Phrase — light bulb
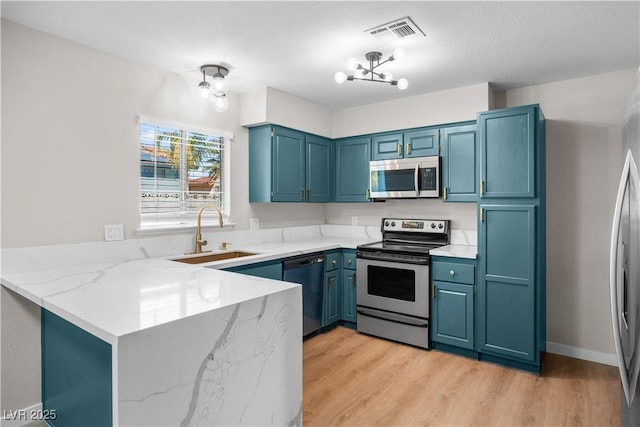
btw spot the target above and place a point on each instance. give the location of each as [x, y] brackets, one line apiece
[352, 64]
[219, 84]
[220, 103]
[387, 77]
[204, 90]
[403, 84]
[340, 77]
[398, 53]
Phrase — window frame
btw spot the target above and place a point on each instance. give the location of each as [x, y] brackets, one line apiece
[178, 220]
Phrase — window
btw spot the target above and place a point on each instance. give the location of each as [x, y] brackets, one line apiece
[181, 170]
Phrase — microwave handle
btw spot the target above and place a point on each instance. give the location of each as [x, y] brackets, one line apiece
[415, 179]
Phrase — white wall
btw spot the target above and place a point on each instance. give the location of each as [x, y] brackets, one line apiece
[584, 162]
[70, 138]
[454, 105]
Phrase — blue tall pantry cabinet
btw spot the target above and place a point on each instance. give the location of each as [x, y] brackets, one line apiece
[511, 320]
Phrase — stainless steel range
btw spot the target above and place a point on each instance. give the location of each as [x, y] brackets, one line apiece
[393, 279]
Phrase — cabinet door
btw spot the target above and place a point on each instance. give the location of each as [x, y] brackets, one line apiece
[507, 153]
[288, 166]
[506, 286]
[352, 169]
[419, 143]
[452, 314]
[459, 170]
[387, 146]
[331, 307]
[349, 295]
[319, 169]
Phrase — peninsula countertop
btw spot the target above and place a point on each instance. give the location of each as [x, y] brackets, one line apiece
[116, 298]
[135, 286]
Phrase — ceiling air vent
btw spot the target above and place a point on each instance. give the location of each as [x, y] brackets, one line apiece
[397, 29]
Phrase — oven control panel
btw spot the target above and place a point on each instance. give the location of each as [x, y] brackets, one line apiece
[415, 225]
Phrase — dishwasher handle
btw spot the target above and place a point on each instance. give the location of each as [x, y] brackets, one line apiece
[304, 261]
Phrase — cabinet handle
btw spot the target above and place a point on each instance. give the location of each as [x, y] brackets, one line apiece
[433, 291]
[481, 188]
[366, 194]
[408, 148]
[481, 214]
[349, 261]
[334, 262]
[354, 279]
[452, 273]
[328, 281]
[399, 149]
[445, 193]
[308, 194]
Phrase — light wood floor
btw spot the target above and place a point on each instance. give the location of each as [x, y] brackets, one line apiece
[352, 379]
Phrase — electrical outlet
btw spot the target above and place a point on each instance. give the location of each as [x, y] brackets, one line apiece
[354, 220]
[113, 232]
[254, 223]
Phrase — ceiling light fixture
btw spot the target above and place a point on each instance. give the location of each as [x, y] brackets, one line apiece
[361, 72]
[217, 94]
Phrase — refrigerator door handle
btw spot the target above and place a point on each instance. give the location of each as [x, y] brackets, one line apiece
[613, 277]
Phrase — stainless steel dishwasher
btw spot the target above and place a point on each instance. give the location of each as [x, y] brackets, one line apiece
[308, 270]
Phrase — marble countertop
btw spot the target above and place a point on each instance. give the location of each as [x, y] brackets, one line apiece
[112, 290]
[113, 299]
[456, 251]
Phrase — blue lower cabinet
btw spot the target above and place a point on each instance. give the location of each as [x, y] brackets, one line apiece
[349, 295]
[331, 306]
[267, 269]
[506, 287]
[453, 302]
[76, 375]
[452, 314]
[349, 286]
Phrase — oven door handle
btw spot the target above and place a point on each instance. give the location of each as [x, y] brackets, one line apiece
[394, 317]
[415, 179]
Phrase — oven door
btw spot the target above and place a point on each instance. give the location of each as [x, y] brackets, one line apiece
[393, 286]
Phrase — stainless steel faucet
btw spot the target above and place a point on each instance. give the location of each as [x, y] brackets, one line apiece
[199, 242]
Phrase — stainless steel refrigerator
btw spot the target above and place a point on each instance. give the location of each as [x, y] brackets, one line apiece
[625, 263]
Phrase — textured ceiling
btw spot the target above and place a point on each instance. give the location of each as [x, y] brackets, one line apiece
[296, 47]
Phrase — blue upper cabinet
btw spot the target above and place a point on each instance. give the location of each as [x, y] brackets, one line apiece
[352, 169]
[507, 152]
[421, 142]
[387, 146]
[319, 162]
[398, 145]
[287, 165]
[459, 164]
[288, 173]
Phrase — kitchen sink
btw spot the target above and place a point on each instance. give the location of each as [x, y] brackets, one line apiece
[214, 257]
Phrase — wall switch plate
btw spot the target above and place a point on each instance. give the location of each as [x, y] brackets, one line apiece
[113, 232]
[254, 224]
[354, 220]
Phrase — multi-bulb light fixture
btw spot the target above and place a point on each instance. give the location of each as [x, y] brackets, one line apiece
[217, 94]
[361, 72]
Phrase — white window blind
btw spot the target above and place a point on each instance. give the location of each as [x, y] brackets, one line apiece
[181, 170]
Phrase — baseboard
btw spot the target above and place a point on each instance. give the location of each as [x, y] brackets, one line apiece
[581, 353]
[20, 417]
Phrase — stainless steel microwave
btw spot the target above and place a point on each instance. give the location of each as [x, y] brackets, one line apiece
[405, 178]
